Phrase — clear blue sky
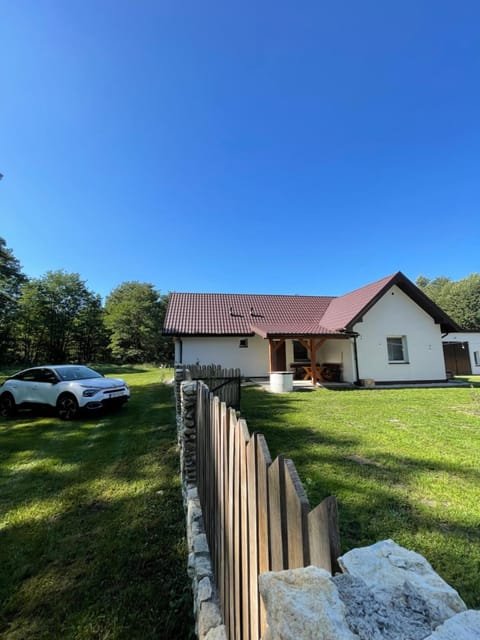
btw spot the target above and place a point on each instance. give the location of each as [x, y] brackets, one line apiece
[265, 147]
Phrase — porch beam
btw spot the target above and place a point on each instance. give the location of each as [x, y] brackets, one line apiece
[314, 347]
[273, 345]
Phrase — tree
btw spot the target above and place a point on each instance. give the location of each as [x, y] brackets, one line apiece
[59, 319]
[460, 299]
[11, 280]
[134, 314]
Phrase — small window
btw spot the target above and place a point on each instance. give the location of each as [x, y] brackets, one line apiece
[476, 357]
[243, 343]
[397, 349]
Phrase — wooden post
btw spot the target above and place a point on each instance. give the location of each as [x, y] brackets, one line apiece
[313, 356]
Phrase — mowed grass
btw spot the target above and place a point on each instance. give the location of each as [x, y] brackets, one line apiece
[92, 540]
[403, 463]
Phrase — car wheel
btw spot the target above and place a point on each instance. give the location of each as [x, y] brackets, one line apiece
[67, 407]
[8, 407]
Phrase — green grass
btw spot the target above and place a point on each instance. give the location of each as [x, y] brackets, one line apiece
[403, 463]
[92, 540]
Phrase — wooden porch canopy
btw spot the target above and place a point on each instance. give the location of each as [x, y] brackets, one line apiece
[312, 341]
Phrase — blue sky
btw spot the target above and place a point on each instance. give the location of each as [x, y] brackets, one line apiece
[262, 147]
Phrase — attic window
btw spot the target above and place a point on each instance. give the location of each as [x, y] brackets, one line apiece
[243, 343]
[397, 349]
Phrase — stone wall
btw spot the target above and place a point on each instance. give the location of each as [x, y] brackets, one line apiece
[208, 619]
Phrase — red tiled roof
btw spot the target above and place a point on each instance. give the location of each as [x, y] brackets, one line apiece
[215, 314]
[343, 310]
[236, 314]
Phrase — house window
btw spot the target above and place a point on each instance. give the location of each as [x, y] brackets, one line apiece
[299, 352]
[397, 349]
[243, 343]
[476, 357]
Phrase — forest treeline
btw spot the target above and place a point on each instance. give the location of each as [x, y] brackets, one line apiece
[460, 299]
[56, 318]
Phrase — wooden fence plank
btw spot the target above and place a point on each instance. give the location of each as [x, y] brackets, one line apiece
[231, 525]
[323, 535]
[264, 461]
[217, 471]
[296, 511]
[253, 538]
[223, 475]
[244, 438]
[276, 501]
[237, 533]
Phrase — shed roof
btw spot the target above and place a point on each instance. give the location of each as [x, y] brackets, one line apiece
[229, 314]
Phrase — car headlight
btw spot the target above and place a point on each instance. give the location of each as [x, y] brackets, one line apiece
[88, 393]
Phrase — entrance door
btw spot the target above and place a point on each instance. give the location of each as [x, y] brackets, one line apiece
[280, 358]
[457, 358]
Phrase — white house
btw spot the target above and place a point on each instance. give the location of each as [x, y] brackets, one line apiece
[388, 331]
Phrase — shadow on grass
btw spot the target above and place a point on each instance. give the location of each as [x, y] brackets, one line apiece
[92, 526]
[376, 497]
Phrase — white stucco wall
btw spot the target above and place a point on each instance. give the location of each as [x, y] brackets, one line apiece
[473, 340]
[340, 352]
[252, 361]
[255, 359]
[395, 314]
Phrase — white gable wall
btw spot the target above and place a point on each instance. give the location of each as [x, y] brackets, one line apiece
[252, 361]
[395, 314]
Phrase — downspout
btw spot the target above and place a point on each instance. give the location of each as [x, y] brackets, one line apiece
[180, 351]
[355, 356]
[354, 335]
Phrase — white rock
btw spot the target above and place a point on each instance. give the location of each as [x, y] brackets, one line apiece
[303, 604]
[390, 569]
[204, 589]
[203, 567]
[463, 626]
[208, 618]
[218, 633]
[200, 544]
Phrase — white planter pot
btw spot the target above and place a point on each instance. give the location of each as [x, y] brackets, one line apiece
[281, 381]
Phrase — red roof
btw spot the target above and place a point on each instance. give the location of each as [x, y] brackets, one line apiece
[236, 314]
[229, 314]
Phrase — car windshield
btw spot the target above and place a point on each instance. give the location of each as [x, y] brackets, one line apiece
[76, 373]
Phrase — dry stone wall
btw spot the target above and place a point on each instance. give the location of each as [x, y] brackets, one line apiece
[208, 618]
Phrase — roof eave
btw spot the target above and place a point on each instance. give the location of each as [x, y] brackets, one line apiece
[180, 334]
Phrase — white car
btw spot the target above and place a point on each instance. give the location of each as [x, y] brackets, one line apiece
[67, 387]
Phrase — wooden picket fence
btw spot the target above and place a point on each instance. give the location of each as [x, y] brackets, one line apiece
[225, 383]
[256, 514]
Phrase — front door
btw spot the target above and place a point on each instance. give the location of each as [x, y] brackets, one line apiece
[279, 358]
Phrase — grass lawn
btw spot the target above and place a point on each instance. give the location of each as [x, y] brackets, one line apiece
[403, 463]
[92, 540]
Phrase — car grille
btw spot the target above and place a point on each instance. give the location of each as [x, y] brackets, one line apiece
[114, 390]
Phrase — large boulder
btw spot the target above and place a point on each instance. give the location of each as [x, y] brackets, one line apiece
[389, 571]
[303, 604]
